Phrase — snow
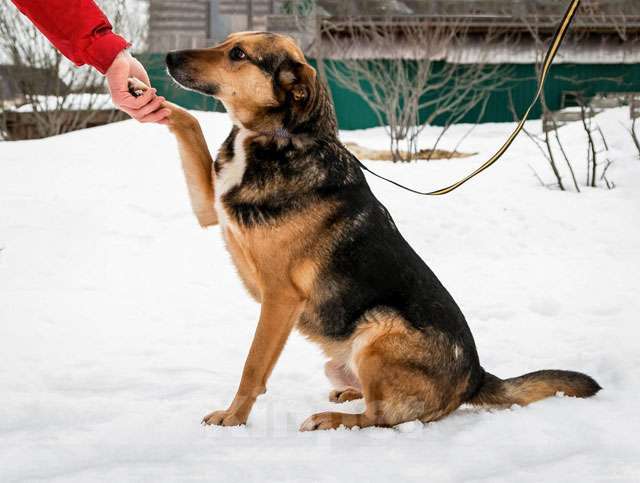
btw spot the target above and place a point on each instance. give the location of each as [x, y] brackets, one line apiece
[122, 323]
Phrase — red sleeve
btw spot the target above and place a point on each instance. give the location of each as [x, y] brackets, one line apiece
[77, 28]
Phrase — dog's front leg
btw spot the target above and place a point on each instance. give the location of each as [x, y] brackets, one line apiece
[196, 163]
[277, 318]
[194, 154]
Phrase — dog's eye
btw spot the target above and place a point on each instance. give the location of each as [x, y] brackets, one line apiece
[237, 54]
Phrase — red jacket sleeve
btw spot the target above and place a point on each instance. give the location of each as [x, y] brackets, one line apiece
[78, 29]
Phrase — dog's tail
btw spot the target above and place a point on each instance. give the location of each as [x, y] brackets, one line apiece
[523, 390]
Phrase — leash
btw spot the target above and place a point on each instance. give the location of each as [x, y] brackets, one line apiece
[551, 53]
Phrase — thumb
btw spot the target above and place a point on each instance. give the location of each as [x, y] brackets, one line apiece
[138, 70]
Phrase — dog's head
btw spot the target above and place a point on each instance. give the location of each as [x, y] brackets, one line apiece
[257, 75]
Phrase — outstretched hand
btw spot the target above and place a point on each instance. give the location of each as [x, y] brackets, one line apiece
[145, 108]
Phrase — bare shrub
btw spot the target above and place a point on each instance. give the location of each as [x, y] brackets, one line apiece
[396, 68]
[59, 96]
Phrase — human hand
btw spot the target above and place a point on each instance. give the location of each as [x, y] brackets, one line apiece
[145, 108]
[178, 117]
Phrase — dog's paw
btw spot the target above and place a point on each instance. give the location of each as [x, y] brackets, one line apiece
[344, 395]
[224, 418]
[320, 421]
[179, 118]
[330, 420]
[136, 86]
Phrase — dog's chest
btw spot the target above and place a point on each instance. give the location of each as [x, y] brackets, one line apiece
[231, 173]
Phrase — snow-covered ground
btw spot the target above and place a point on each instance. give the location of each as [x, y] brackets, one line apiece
[122, 323]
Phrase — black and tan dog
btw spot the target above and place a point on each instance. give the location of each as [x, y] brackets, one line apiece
[321, 254]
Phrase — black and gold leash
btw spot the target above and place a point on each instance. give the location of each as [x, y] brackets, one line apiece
[551, 53]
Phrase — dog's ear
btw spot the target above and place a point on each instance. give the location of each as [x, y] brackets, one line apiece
[297, 81]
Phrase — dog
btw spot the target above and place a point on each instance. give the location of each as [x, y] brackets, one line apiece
[321, 254]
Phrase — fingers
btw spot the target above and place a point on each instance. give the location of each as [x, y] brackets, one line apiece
[153, 112]
[156, 116]
[153, 106]
[124, 99]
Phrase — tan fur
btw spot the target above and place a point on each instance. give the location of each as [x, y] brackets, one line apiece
[196, 164]
[277, 271]
[277, 318]
[536, 391]
[245, 90]
[275, 258]
[244, 264]
[386, 355]
[532, 387]
[403, 373]
[344, 395]
[272, 264]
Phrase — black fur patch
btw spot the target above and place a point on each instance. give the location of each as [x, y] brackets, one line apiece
[268, 63]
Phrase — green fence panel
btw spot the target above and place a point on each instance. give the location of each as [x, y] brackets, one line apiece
[354, 113]
[516, 95]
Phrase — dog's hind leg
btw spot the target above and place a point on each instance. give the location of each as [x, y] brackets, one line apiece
[385, 406]
[345, 382]
[344, 395]
[402, 377]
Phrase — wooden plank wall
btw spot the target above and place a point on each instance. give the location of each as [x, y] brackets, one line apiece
[175, 24]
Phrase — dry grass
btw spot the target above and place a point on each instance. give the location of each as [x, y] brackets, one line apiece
[385, 155]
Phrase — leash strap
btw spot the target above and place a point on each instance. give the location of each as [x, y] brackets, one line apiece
[551, 53]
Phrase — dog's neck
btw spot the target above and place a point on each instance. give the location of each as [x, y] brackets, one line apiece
[318, 120]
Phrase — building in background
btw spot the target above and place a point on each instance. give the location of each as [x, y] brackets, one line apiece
[15, 80]
[600, 59]
[175, 24]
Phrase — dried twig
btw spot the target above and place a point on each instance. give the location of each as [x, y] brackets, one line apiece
[634, 135]
[564, 154]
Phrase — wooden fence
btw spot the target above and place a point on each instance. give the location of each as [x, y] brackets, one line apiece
[24, 125]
